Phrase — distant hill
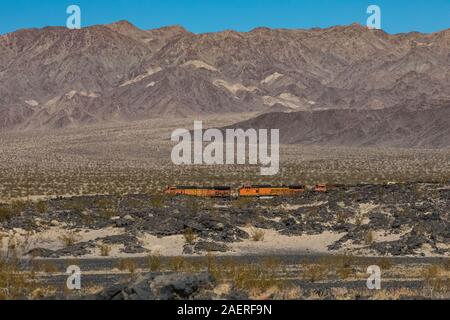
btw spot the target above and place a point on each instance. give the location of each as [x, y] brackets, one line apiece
[394, 127]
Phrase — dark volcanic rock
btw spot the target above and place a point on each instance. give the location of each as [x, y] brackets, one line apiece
[75, 250]
[161, 287]
[417, 218]
[209, 246]
[119, 239]
[133, 248]
[188, 249]
[42, 252]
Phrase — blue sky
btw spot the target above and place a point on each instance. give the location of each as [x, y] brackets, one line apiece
[242, 15]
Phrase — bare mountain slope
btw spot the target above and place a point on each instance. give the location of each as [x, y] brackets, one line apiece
[54, 77]
[399, 126]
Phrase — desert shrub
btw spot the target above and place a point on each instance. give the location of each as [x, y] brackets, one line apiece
[447, 264]
[157, 201]
[107, 213]
[14, 283]
[192, 205]
[253, 278]
[105, 203]
[315, 272]
[436, 281]
[105, 250]
[272, 264]
[42, 292]
[340, 217]
[18, 206]
[257, 234]
[127, 265]
[68, 239]
[87, 219]
[346, 261]
[242, 202]
[47, 267]
[210, 263]
[77, 205]
[369, 238]
[6, 213]
[177, 264]
[359, 220]
[41, 207]
[11, 210]
[154, 262]
[190, 236]
[344, 272]
[431, 272]
[384, 263]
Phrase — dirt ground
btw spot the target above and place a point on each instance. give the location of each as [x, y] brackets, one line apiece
[96, 193]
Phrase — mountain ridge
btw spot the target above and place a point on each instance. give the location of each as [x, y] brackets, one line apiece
[53, 77]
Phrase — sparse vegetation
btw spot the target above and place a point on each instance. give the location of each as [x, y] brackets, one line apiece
[154, 262]
[157, 201]
[41, 207]
[149, 169]
[68, 239]
[14, 283]
[177, 264]
[128, 265]
[384, 263]
[437, 281]
[7, 211]
[315, 272]
[47, 267]
[242, 202]
[119, 182]
[344, 272]
[105, 250]
[369, 238]
[190, 236]
[257, 234]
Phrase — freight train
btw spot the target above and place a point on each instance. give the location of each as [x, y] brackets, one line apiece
[269, 191]
[258, 191]
[208, 192]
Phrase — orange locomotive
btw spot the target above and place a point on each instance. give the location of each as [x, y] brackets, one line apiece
[207, 192]
[270, 191]
[245, 191]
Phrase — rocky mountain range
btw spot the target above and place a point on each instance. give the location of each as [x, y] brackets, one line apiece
[54, 77]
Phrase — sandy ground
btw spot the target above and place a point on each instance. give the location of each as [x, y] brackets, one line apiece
[274, 242]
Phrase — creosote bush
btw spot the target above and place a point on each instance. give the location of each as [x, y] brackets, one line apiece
[127, 264]
[68, 239]
[257, 234]
[154, 262]
[369, 238]
[41, 207]
[105, 250]
[189, 236]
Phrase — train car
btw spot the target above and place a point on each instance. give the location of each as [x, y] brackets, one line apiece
[321, 188]
[195, 191]
[270, 191]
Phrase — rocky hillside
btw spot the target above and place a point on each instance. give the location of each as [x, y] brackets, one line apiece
[399, 126]
[55, 77]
